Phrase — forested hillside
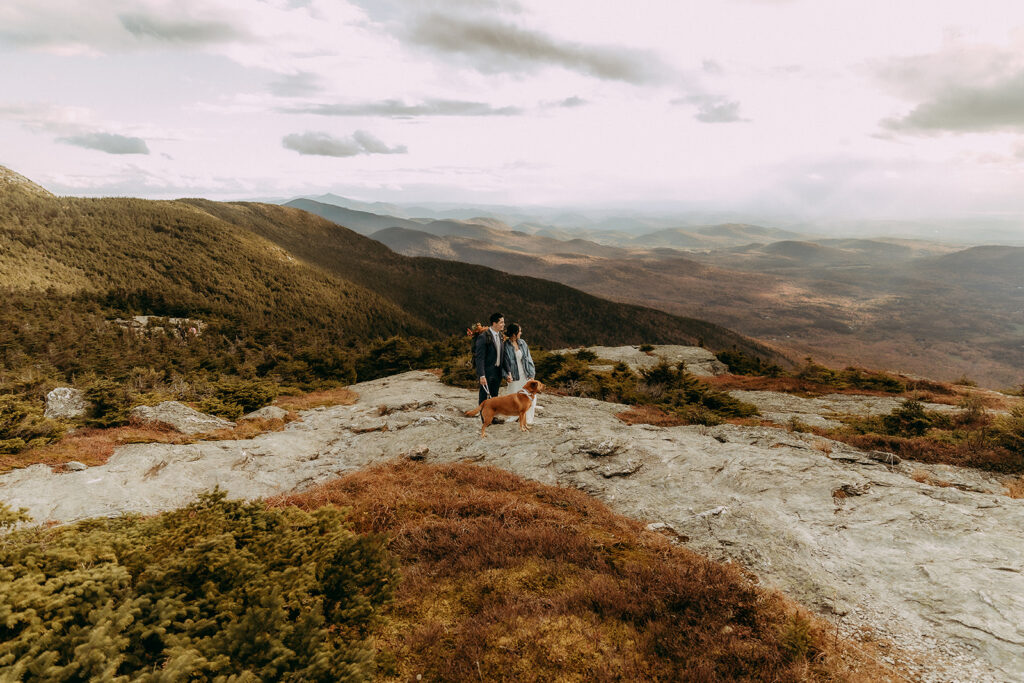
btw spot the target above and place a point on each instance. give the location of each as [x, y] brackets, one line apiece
[266, 294]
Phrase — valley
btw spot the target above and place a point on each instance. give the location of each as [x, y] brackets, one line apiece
[934, 309]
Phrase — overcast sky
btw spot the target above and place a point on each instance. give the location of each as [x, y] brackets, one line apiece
[814, 107]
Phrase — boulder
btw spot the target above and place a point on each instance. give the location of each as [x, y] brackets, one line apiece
[75, 466]
[266, 413]
[180, 417]
[65, 403]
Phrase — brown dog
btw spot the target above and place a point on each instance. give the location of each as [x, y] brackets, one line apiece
[509, 404]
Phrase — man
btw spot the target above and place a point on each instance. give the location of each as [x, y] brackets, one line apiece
[487, 355]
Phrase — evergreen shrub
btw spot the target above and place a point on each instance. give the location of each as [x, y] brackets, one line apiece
[218, 590]
[22, 425]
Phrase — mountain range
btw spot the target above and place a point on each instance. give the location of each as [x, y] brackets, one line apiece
[918, 306]
[267, 267]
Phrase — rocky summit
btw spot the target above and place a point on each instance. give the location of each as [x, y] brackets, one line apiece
[938, 570]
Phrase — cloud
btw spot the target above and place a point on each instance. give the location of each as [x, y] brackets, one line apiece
[960, 88]
[398, 108]
[713, 108]
[492, 45]
[194, 32]
[68, 27]
[998, 106]
[572, 102]
[710, 66]
[111, 143]
[324, 144]
[301, 84]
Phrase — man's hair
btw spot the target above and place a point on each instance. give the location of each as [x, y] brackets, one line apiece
[495, 317]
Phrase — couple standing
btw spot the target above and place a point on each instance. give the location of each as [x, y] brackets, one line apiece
[496, 357]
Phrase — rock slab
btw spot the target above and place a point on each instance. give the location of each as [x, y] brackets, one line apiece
[267, 413]
[697, 361]
[180, 417]
[936, 570]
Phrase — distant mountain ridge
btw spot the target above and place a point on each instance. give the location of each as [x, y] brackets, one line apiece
[907, 305]
[265, 266]
[609, 232]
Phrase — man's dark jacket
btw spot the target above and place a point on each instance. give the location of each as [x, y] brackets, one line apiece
[485, 355]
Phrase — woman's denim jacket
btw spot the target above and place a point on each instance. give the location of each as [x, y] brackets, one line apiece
[510, 354]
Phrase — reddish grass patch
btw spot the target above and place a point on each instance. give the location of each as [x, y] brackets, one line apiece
[340, 396]
[247, 429]
[1015, 489]
[95, 446]
[926, 477]
[786, 385]
[505, 579]
[923, 449]
[90, 446]
[651, 415]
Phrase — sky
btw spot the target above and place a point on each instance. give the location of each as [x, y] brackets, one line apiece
[816, 108]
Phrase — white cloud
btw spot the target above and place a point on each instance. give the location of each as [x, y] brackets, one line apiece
[963, 87]
[400, 108]
[111, 143]
[324, 144]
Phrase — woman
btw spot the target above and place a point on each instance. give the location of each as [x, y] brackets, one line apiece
[520, 364]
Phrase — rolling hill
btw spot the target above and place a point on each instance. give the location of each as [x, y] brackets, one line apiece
[904, 305]
[282, 288]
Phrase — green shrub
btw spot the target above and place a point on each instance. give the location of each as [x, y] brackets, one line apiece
[212, 405]
[796, 639]
[1009, 430]
[909, 419]
[220, 590]
[247, 394]
[740, 363]
[547, 364]
[109, 403]
[674, 389]
[22, 425]
[460, 372]
[585, 355]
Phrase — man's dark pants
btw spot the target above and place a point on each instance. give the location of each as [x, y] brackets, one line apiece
[493, 384]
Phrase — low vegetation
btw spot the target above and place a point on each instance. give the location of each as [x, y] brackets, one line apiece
[244, 302]
[504, 579]
[972, 437]
[218, 590]
[751, 373]
[405, 571]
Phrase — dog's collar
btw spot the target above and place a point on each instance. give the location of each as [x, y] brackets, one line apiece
[524, 391]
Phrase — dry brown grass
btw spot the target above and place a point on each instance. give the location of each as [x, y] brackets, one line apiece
[90, 446]
[504, 579]
[247, 429]
[95, 446]
[922, 390]
[968, 453]
[926, 477]
[340, 396]
[787, 385]
[650, 415]
[1015, 489]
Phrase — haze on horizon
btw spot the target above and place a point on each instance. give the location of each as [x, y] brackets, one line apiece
[775, 108]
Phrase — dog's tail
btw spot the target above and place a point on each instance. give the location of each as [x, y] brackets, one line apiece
[471, 413]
